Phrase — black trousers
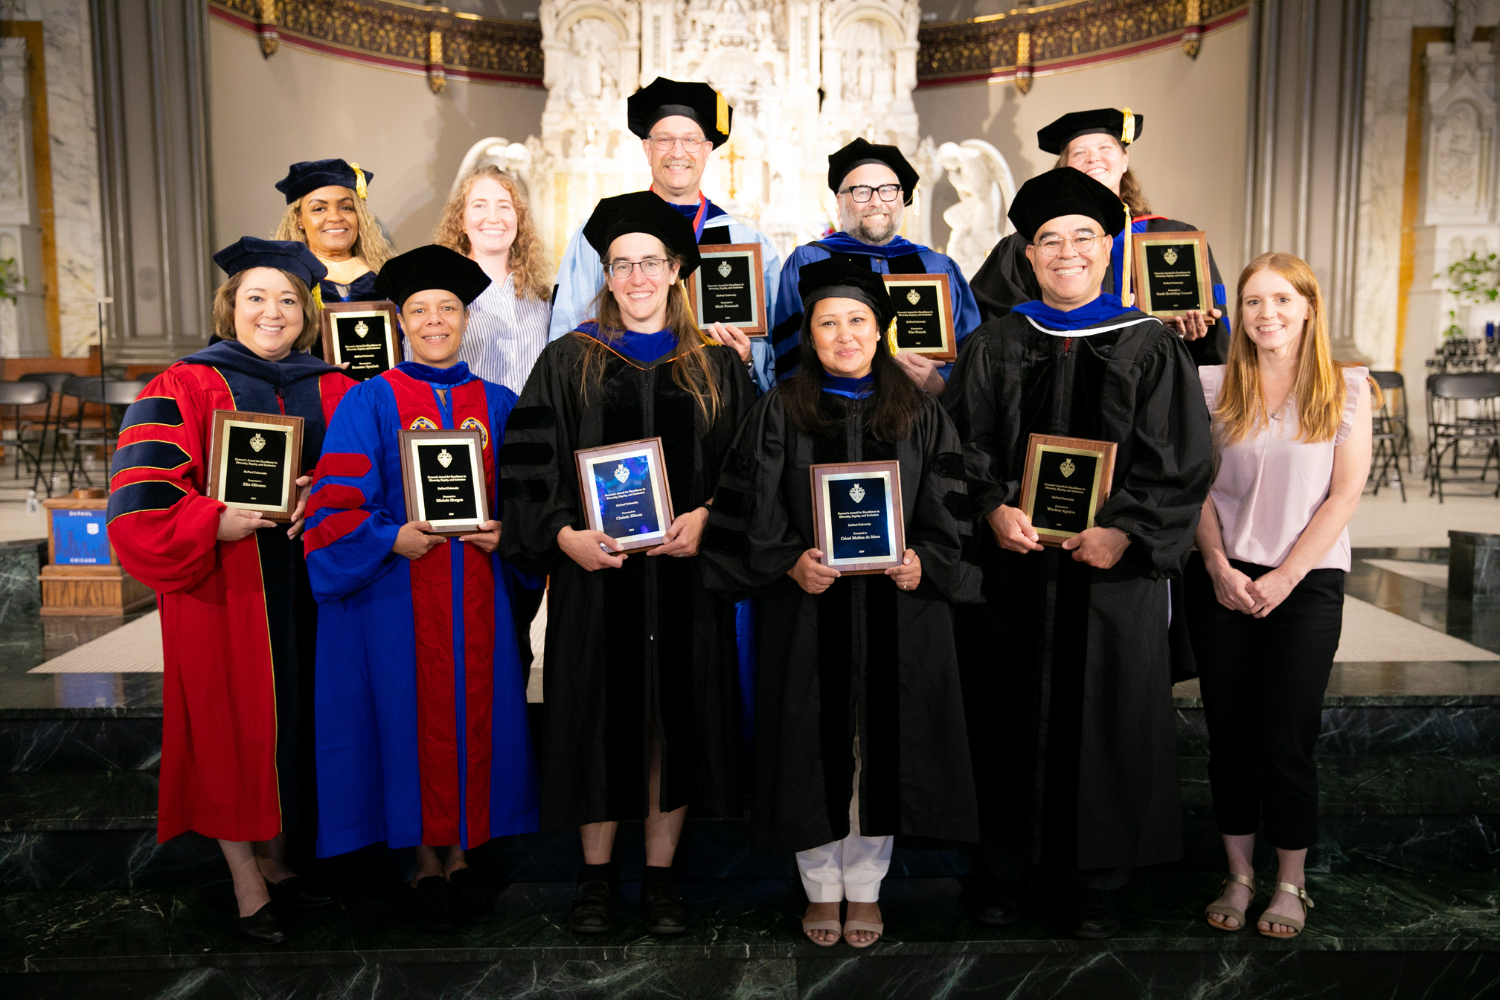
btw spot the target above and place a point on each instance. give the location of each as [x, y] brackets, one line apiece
[1263, 681]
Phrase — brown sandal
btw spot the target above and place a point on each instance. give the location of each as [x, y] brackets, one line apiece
[1285, 921]
[863, 925]
[1225, 910]
[808, 926]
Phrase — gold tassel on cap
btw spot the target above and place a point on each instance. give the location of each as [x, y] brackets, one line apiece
[1127, 132]
[722, 120]
[1126, 299]
[359, 181]
[317, 296]
[890, 339]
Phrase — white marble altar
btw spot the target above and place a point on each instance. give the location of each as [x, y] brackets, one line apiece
[23, 316]
[771, 59]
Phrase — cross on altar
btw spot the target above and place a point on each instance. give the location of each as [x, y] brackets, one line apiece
[732, 157]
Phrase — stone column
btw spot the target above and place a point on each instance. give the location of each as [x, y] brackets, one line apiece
[23, 321]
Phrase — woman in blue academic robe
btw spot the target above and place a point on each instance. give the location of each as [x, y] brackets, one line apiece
[421, 708]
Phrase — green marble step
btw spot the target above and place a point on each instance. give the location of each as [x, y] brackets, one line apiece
[1404, 785]
[42, 801]
[1391, 936]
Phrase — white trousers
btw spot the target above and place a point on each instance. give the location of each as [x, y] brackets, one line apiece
[850, 868]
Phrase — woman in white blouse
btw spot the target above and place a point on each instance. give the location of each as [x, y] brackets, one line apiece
[1265, 591]
[488, 220]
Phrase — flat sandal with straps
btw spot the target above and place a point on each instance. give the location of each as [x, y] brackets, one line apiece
[1285, 921]
[1225, 910]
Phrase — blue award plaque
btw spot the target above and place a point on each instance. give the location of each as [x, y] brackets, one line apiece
[857, 514]
[625, 493]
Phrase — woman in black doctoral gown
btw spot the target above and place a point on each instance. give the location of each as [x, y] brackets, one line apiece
[640, 684]
[859, 721]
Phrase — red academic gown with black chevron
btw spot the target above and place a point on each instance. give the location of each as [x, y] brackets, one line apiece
[233, 614]
[421, 703]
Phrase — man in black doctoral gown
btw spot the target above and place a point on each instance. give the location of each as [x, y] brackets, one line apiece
[1066, 664]
[1098, 143]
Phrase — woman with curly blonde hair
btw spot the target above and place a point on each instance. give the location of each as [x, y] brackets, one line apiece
[326, 209]
[488, 220]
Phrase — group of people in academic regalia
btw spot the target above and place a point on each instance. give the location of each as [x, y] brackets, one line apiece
[354, 678]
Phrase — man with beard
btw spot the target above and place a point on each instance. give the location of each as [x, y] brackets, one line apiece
[679, 124]
[874, 184]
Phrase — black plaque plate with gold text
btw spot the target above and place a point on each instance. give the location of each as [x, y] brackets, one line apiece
[729, 288]
[364, 334]
[443, 472]
[924, 314]
[254, 462]
[1171, 275]
[1065, 483]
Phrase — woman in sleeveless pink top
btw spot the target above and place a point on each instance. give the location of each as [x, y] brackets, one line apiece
[1265, 591]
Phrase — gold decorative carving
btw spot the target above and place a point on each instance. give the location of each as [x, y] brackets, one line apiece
[265, 27]
[1023, 61]
[437, 79]
[988, 46]
[434, 40]
[1192, 38]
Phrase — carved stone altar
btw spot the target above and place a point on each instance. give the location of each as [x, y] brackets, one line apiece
[770, 59]
[1460, 177]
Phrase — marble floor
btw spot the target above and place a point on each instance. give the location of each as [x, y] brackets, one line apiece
[1406, 873]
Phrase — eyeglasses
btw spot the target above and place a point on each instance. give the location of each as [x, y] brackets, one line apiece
[650, 267]
[1083, 244]
[663, 143]
[861, 192]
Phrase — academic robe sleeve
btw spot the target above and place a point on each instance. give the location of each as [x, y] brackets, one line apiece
[1005, 279]
[974, 408]
[750, 541]
[163, 527]
[579, 278]
[940, 522]
[538, 488]
[351, 527]
[1158, 502]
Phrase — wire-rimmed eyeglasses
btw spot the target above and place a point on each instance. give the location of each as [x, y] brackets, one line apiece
[650, 267]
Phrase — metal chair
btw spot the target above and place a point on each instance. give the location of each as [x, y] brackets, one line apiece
[16, 395]
[1391, 433]
[1463, 418]
[55, 383]
[111, 395]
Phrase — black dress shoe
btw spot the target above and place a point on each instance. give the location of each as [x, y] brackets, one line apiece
[593, 906]
[662, 909]
[299, 890]
[1094, 915]
[262, 926]
[432, 905]
[997, 903]
[473, 902]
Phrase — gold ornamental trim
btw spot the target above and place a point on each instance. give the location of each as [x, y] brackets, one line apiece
[433, 41]
[1037, 40]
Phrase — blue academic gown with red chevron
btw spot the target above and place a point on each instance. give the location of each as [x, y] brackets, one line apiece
[421, 705]
[233, 614]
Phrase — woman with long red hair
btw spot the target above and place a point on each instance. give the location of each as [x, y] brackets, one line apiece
[1265, 591]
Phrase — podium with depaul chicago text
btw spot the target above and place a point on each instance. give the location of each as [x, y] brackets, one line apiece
[83, 575]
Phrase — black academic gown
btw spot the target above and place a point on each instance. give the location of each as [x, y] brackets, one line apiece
[1066, 668]
[1006, 279]
[644, 641]
[863, 654]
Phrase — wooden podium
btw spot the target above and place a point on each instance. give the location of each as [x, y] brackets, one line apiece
[83, 575]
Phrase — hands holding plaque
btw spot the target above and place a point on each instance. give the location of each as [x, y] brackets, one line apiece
[363, 335]
[443, 472]
[1065, 483]
[625, 494]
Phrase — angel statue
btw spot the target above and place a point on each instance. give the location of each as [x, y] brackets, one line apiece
[985, 187]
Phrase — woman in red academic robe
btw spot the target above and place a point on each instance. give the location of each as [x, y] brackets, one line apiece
[236, 610]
